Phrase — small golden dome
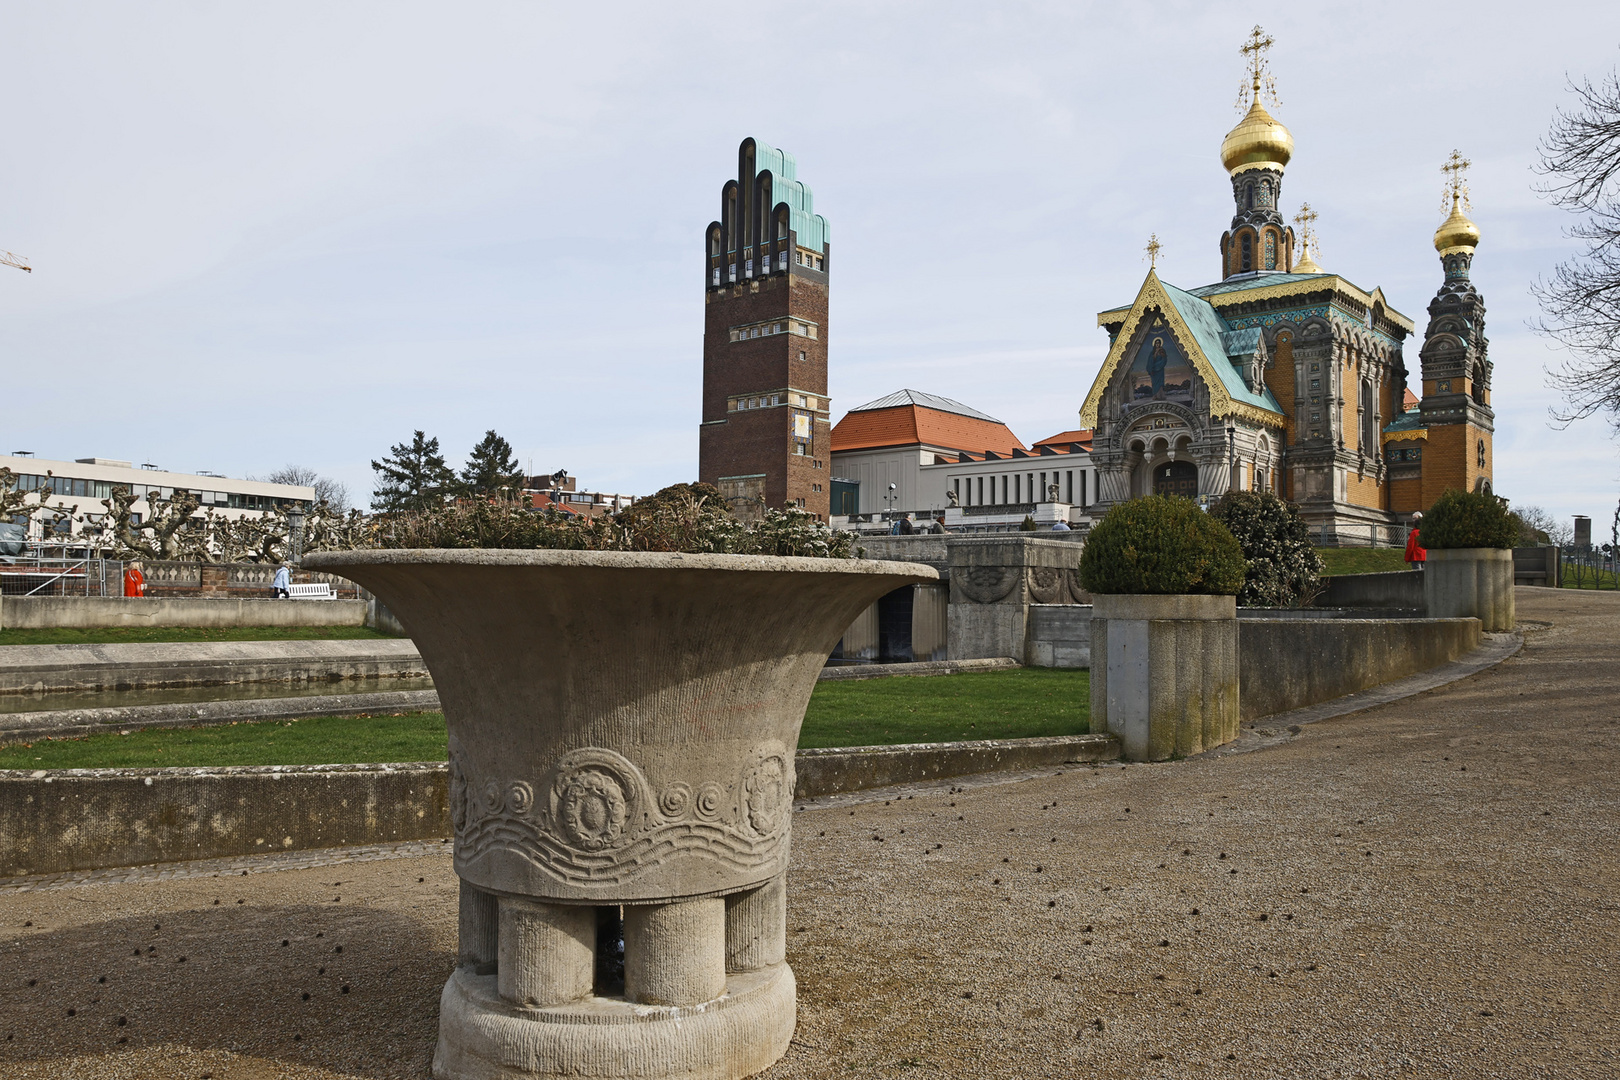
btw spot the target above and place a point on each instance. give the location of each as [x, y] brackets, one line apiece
[1306, 265]
[1259, 141]
[1456, 232]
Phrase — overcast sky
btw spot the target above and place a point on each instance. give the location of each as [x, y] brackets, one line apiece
[289, 232]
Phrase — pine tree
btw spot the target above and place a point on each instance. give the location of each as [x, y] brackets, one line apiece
[413, 477]
[491, 468]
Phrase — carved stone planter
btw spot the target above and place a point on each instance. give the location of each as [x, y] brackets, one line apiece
[1463, 583]
[1164, 673]
[622, 729]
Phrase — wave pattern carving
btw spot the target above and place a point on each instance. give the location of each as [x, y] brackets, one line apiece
[598, 821]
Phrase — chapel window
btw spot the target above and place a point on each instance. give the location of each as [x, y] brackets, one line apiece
[1482, 453]
[1248, 252]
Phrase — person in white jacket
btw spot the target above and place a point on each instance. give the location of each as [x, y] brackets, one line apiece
[282, 582]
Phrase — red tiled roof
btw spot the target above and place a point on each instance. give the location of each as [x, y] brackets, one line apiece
[1409, 400]
[1062, 439]
[910, 425]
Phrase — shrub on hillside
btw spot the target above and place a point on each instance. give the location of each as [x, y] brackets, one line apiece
[1284, 569]
[1463, 519]
[689, 518]
[1161, 544]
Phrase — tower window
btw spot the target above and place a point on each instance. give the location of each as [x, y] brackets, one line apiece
[801, 354]
[1248, 252]
[717, 275]
[1482, 453]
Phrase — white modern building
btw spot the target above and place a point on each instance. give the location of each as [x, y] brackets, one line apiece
[929, 456]
[77, 489]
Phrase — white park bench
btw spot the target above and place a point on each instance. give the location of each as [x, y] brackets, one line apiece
[316, 591]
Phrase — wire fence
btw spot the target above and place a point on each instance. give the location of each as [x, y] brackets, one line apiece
[58, 570]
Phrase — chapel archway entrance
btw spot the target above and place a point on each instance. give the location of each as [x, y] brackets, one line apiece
[1176, 478]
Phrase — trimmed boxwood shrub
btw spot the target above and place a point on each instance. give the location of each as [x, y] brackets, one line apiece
[1463, 519]
[1161, 544]
[1284, 569]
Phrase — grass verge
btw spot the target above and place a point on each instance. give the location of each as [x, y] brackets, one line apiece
[1362, 560]
[133, 635]
[1025, 703]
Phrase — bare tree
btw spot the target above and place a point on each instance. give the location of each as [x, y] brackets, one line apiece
[334, 493]
[1580, 305]
[21, 507]
[168, 531]
[1536, 520]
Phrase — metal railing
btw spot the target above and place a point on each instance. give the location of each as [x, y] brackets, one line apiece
[1588, 570]
[1351, 535]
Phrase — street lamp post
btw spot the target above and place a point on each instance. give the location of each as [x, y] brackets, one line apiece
[295, 529]
[1231, 454]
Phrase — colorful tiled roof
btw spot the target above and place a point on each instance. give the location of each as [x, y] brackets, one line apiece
[910, 418]
[1063, 439]
[1210, 331]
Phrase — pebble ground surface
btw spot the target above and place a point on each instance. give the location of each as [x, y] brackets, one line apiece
[1424, 889]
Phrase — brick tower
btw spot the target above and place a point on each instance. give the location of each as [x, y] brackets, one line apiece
[766, 435]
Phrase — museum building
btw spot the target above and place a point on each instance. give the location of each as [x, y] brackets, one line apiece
[1285, 377]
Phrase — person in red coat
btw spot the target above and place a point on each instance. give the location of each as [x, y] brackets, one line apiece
[1415, 555]
[134, 580]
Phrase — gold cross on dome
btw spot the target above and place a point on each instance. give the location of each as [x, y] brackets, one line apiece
[1153, 248]
[1306, 220]
[1456, 190]
[1254, 51]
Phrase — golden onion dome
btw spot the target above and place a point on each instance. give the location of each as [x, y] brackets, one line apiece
[1307, 265]
[1456, 232]
[1259, 141]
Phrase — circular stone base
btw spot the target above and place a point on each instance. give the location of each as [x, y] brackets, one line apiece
[482, 1037]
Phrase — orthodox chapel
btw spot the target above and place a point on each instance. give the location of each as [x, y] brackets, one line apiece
[1283, 376]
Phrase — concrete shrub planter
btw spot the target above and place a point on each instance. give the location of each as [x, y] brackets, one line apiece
[1477, 583]
[1164, 673]
[622, 729]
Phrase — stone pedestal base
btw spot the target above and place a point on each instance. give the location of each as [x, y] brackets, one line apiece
[1470, 583]
[742, 1032]
[1164, 673]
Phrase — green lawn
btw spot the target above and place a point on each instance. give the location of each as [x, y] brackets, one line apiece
[117, 635]
[1362, 560]
[989, 705]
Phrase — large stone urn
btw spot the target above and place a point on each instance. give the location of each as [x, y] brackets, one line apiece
[1164, 673]
[622, 730]
[1463, 583]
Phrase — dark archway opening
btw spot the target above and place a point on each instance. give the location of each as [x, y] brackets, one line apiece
[1176, 478]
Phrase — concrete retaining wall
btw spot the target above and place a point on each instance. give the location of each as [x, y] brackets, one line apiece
[56, 668]
[1286, 664]
[1396, 589]
[84, 819]
[1059, 636]
[90, 612]
[829, 772]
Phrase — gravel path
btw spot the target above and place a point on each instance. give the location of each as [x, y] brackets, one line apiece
[1423, 889]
